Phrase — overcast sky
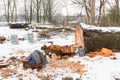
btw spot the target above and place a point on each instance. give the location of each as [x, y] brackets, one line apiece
[72, 10]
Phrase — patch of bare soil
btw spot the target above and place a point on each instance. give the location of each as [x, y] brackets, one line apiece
[74, 66]
[15, 66]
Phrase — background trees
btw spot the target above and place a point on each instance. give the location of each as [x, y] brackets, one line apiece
[112, 16]
[10, 10]
[94, 12]
[32, 10]
[100, 12]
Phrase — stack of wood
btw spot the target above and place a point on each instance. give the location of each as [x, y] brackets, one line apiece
[59, 52]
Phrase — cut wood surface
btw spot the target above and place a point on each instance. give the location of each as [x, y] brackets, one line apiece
[60, 51]
[79, 39]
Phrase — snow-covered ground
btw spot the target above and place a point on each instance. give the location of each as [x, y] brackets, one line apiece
[97, 68]
[103, 29]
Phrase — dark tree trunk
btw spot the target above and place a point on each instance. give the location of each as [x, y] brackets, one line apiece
[95, 40]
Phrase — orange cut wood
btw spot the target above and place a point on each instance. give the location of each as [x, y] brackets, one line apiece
[103, 52]
[93, 54]
[79, 38]
[107, 52]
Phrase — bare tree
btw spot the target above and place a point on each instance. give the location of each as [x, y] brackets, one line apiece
[25, 11]
[89, 7]
[13, 10]
[49, 7]
[117, 11]
[10, 7]
[92, 11]
[80, 5]
[113, 13]
[37, 5]
[15, 7]
[51, 10]
[7, 9]
[102, 6]
[103, 18]
[31, 11]
[65, 5]
[28, 11]
[48, 10]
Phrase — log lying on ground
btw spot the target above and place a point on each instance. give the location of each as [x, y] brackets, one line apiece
[28, 64]
[3, 65]
[18, 25]
[59, 52]
[2, 39]
[95, 40]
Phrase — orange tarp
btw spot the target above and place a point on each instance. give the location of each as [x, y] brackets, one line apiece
[103, 52]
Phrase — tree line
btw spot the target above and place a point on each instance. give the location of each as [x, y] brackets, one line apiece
[95, 12]
[41, 9]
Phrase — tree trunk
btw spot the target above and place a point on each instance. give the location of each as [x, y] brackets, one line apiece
[15, 7]
[37, 10]
[87, 12]
[95, 40]
[102, 2]
[25, 10]
[117, 11]
[92, 12]
[31, 9]
[8, 11]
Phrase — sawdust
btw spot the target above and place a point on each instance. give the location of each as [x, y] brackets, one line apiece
[74, 66]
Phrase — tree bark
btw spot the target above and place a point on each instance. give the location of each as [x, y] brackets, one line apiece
[92, 12]
[95, 40]
[102, 2]
[117, 11]
[31, 13]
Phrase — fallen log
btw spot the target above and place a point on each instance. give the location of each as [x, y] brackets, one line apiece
[18, 25]
[90, 40]
[2, 39]
[3, 65]
[96, 39]
[28, 64]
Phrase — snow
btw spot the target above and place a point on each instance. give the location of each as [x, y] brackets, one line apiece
[97, 68]
[103, 29]
[100, 68]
